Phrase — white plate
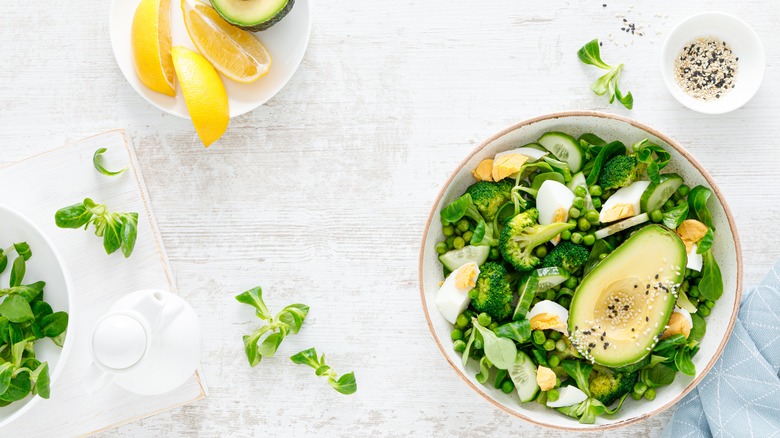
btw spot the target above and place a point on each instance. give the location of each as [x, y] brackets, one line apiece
[286, 42]
[45, 264]
[725, 249]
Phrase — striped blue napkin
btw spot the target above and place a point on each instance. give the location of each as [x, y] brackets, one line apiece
[740, 397]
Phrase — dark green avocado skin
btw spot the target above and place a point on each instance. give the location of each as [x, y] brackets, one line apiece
[259, 26]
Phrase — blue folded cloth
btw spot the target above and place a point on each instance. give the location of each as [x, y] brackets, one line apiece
[740, 396]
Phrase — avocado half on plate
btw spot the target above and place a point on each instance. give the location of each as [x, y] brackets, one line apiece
[253, 15]
[623, 305]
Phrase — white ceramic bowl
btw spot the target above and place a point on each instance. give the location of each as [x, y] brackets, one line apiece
[45, 264]
[286, 41]
[726, 250]
[743, 41]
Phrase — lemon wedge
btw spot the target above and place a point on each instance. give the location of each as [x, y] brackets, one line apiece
[151, 41]
[235, 53]
[204, 93]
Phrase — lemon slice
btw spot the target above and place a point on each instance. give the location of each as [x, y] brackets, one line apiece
[151, 40]
[236, 53]
[204, 93]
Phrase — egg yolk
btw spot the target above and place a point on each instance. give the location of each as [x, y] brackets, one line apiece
[618, 211]
[507, 165]
[548, 321]
[466, 277]
[545, 378]
[691, 231]
[678, 324]
[484, 170]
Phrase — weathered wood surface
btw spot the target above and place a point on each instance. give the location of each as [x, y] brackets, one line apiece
[321, 195]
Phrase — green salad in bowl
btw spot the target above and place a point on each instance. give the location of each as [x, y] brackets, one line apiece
[579, 272]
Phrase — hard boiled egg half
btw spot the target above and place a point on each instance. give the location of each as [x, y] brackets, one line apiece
[554, 200]
[453, 296]
[506, 164]
[567, 396]
[549, 315]
[624, 203]
[679, 323]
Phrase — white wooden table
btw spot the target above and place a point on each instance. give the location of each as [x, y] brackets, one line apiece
[320, 196]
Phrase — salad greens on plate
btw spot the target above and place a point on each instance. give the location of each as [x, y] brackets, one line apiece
[578, 272]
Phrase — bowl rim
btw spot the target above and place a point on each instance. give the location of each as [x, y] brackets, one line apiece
[671, 83]
[69, 338]
[687, 156]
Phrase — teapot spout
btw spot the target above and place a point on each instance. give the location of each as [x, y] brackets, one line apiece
[150, 307]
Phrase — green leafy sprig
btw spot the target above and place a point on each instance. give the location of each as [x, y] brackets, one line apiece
[118, 230]
[345, 384]
[97, 161]
[266, 340]
[607, 84]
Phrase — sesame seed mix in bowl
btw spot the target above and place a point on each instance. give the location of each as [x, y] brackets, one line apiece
[706, 68]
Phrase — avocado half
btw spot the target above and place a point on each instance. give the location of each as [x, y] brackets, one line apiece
[253, 15]
[623, 305]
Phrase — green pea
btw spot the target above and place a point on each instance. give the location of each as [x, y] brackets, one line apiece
[552, 395]
[576, 237]
[459, 346]
[538, 337]
[592, 216]
[473, 294]
[560, 345]
[462, 225]
[636, 396]
[683, 190]
[461, 321]
[549, 345]
[494, 254]
[565, 301]
[693, 292]
[572, 221]
[580, 191]
[566, 235]
[449, 242]
[549, 295]
[602, 256]
[571, 283]
[456, 334]
[467, 236]
[449, 230]
[704, 310]
[458, 243]
[583, 224]
[595, 190]
[541, 251]
[541, 398]
[493, 325]
[557, 382]
[650, 394]
[441, 247]
[557, 287]
[554, 335]
[579, 203]
[589, 239]
[669, 205]
[574, 212]
[484, 319]
[682, 202]
[709, 303]
[640, 388]
[553, 361]
[656, 216]
[596, 203]
[507, 387]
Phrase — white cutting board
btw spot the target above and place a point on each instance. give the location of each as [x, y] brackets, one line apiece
[37, 187]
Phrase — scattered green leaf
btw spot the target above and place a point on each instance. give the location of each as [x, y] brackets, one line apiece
[345, 384]
[97, 161]
[609, 83]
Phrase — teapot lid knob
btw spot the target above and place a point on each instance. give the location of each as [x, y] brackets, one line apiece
[119, 341]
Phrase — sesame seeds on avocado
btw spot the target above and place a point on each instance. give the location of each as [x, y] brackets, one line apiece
[623, 305]
[253, 15]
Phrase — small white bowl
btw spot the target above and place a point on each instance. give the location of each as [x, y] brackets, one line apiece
[746, 46]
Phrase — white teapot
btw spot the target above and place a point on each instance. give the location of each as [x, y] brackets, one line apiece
[148, 343]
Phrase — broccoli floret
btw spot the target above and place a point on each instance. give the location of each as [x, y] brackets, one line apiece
[522, 234]
[620, 171]
[490, 196]
[567, 255]
[608, 387]
[492, 293]
[485, 232]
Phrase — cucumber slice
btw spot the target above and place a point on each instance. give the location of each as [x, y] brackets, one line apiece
[548, 278]
[564, 147]
[655, 195]
[622, 225]
[526, 293]
[456, 258]
[523, 375]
